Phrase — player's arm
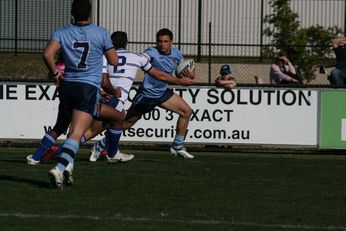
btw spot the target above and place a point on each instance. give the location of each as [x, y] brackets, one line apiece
[162, 76]
[112, 57]
[49, 60]
[108, 88]
[49, 55]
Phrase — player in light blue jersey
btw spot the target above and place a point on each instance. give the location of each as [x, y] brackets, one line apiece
[122, 77]
[83, 45]
[156, 92]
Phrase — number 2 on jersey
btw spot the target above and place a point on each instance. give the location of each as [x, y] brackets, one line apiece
[122, 62]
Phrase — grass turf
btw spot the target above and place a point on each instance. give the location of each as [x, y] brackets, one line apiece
[155, 191]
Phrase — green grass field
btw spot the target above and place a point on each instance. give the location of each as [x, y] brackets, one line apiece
[155, 191]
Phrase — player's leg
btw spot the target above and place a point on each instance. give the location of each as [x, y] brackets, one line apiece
[83, 99]
[138, 108]
[80, 123]
[61, 125]
[131, 118]
[113, 133]
[96, 128]
[46, 143]
[112, 136]
[112, 114]
[179, 106]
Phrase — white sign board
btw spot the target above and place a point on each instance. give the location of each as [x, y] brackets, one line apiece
[241, 116]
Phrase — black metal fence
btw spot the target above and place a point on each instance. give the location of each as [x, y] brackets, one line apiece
[27, 25]
[223, 31]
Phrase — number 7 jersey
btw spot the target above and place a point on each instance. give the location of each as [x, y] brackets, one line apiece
[83, 47]
[123, 75]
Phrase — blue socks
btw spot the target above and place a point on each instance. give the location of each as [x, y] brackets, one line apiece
[178, 142]
[69, 149]
[112, 141]
[46, 143]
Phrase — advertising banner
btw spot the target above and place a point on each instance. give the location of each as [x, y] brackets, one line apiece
[333, 119]
[240, 116]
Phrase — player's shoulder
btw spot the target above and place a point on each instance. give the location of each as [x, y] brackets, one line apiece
[176, 50]
[126, 52]
[132, 55]
[99, 30]
[152, 51]
[176, 53]
[64, 28]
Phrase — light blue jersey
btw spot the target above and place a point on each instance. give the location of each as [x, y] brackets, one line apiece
[83, 47]
[151, 87]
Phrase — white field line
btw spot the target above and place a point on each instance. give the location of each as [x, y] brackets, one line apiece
[118, 217]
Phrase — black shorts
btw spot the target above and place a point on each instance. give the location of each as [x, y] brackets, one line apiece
[80, 96]
[142, 104]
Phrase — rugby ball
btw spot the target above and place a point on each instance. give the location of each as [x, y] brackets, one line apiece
[185, 63]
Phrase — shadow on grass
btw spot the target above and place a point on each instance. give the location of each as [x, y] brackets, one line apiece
[19, 161]
[40, 184]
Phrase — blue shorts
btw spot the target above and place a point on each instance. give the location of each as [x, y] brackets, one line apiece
[142, 104]
[113, 101]
[80, 96]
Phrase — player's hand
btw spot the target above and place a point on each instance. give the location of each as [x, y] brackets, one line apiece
[57, 77]
[185, 81]
[117, 92]
[105, 96]
[189, 74]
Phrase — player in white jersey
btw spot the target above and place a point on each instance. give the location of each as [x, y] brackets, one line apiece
[122, 77]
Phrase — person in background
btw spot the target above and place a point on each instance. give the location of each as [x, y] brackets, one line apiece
[338, 74]
[283, 71]
[226, 79]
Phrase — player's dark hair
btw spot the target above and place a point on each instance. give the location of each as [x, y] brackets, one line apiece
[164, 32]
[81, 10]
[119, 39]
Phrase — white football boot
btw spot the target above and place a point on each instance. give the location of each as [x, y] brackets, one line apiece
[120, 157]
[31, 161]
[181, 152]
[56, 178]
[95, 152]
[68, 179]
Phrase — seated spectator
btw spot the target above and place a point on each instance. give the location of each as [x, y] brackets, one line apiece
[226, 80]
[338, 74]
[282, 71]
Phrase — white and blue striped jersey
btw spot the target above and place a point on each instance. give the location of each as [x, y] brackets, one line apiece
[83, 47]
[151, 87]
[123, 75]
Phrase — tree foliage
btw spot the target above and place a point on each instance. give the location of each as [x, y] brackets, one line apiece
[307, 47]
